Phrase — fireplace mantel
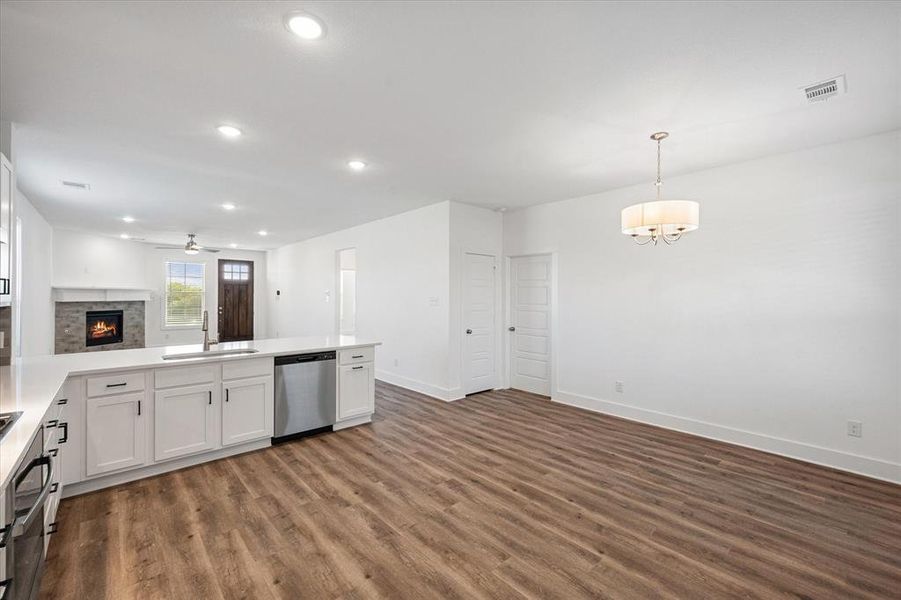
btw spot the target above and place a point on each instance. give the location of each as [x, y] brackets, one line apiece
[100, 294]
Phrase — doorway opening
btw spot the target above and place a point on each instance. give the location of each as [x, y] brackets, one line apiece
[235, 300]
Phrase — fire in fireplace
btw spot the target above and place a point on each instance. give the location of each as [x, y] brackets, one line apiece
[103, 327]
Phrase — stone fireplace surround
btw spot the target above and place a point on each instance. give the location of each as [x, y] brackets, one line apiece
[69, 333]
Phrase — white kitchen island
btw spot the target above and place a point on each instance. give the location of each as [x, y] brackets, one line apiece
[122, 415]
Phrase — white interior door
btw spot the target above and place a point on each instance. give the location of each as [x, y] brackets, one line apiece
[530, 311]
[480, 333]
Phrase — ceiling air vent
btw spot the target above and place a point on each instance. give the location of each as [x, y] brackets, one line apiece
[77, 185]
[825, 89]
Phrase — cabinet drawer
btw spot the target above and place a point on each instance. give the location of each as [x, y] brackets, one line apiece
[53, 419]
[356, 355]
[54, 431]
[57, 408]
[248, 367]
[175, 376]
[115, 384]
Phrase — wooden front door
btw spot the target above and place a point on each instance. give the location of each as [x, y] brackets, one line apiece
[235, 300]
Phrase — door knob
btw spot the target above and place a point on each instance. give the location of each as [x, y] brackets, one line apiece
[511, 328]
[469, 332]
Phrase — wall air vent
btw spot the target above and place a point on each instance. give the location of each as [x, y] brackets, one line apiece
[826, 89]
[77, 185]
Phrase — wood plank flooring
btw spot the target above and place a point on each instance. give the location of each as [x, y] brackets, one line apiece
[500, 495]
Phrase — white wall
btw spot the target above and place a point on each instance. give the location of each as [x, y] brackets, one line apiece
[479, 231]
[772, 326]
[36, 307]
[402, 292]
[85, 260]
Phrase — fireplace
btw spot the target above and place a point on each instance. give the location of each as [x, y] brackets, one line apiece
[103, 327]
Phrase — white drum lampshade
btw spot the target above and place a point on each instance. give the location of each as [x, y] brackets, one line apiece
[663, 217]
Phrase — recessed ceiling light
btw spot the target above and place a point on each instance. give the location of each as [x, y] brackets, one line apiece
[229, 206]
[263, 232]
[124, 236]
[229, 131]
[305, 26]
[128, 219]
[233, 245]
[356, 165]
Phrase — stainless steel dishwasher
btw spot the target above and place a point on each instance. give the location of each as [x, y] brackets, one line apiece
[305, 394]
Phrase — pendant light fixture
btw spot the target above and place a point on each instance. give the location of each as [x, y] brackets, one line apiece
[667, 220]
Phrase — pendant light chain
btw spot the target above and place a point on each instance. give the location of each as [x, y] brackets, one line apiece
[659, 181]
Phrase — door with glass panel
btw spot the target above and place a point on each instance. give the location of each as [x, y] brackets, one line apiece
[235, 300]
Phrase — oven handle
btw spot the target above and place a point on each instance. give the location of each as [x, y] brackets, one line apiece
[20, 524]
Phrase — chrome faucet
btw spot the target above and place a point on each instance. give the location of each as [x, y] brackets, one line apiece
[207, 342]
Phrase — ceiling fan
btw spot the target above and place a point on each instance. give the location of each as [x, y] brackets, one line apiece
[192, 247]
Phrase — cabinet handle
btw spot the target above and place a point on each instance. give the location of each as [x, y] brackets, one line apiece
[211, 397]
[109, 385]
[139, 408]
[54, 488]
[62, 401]
[52, 423]
[52, 528]
[355, 368]
[65, 438]
[53, 452]
[357, 356]
[226, 394]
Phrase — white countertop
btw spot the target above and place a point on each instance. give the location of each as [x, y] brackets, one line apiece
[31, 385]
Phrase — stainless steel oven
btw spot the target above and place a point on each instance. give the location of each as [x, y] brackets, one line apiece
[23, 532]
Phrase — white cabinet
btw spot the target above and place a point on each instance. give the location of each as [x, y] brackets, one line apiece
[247, 410]
[356, 390]
[71, 437]
[184, 421]
[115, 433]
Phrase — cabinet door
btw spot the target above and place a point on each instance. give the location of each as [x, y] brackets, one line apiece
[356, 390]
[247, 410]
[184, 420]
[71, 438]
[115, 433]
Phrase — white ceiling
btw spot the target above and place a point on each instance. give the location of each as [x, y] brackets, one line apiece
[492, 103]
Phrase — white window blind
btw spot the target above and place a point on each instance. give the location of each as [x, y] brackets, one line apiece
[184, 294]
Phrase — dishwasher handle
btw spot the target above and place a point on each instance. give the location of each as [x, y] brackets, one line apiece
[303, 358]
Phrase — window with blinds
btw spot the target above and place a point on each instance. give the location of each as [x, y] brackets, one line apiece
[184, 294]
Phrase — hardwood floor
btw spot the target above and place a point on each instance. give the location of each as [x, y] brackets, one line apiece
[500, 495]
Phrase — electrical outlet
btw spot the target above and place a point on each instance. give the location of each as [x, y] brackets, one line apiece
[855, 428]
[619, 387]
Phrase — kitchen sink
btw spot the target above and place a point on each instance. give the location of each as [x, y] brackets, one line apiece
[209, 354]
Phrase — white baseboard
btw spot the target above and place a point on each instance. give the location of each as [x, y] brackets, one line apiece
[441, 393]
[861, 465]
[105, 481]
